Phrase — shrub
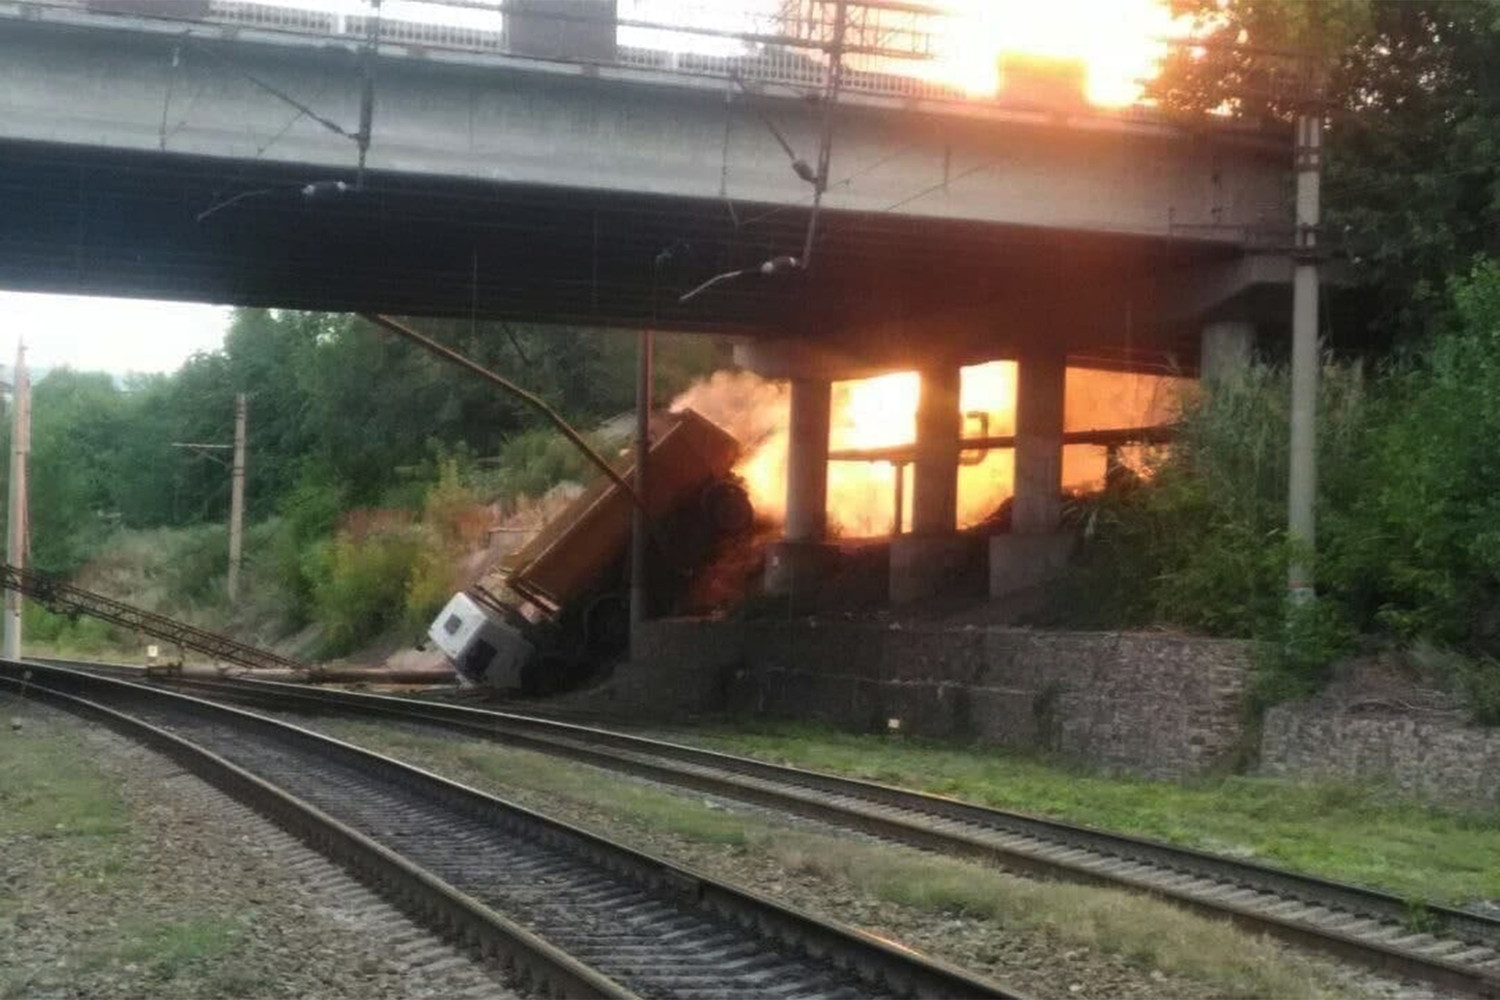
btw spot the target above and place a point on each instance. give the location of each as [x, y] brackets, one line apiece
[360, 585]
[433, 580]
[1408, 511]
[1479, 680]
[40, 625]
[534, 461]
[1200, 543]
[61, 633]
[386, 569]
[455, 524]
[1416, 552]
[306, 519]
[1295, 658]
[195, 561]
[452, 509]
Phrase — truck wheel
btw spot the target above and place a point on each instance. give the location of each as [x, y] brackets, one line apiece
[728, 507]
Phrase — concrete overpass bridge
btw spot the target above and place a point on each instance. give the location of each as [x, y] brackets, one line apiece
[536, 165]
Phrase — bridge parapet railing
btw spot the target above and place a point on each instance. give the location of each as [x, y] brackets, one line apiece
[889, 48]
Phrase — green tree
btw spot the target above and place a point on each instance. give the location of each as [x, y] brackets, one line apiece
[1413, 92]
[342, 416]
[76, 428]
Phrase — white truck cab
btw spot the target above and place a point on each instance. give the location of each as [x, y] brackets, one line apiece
[485, 651]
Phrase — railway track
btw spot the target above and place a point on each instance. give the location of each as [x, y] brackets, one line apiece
[568, 912]
[1445, 947]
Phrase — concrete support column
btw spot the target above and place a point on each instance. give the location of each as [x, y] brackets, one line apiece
[1035, 550]
[795, 565]
[1040, 383]
[934, 558]
[1226, 348]
[807, 461]
[934, 509]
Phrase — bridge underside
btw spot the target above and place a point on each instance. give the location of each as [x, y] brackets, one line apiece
[83, 221]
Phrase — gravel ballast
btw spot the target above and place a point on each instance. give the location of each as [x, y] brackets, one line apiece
[175, 890]
[1038, 961]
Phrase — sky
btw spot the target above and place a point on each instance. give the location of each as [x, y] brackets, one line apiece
[112, 335]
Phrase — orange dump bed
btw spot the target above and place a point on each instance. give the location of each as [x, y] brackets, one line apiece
[572, 553]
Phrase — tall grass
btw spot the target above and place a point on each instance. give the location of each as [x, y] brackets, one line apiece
[1199, 542]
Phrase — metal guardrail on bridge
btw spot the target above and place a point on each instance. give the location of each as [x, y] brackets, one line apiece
[886, 47]
[66, 599]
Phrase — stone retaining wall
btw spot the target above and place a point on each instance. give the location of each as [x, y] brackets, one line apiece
[1159, 705]
[1433, 755]
[1165, 706]
[1153, 704]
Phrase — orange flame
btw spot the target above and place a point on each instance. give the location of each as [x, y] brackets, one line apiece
[881, 412]
[1119, 44]
[869, 413]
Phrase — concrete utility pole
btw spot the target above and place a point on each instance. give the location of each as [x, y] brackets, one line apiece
[236, 490]
[16, 533]
[1302, 485]
[640, 535]
[237, 499]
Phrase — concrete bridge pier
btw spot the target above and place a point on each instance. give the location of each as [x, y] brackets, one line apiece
[797, 563]
[1035, 550]
[924, 561]
[1225, 349]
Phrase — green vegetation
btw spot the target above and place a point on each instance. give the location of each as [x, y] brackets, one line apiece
[533, 462]
[340, 417]
[48, 790]
[176, 571]
[1336, 831]
[1410, 192]
[1407, 549]
[368, 459]
[1409, 500]
[172, 950]
[1144, 932]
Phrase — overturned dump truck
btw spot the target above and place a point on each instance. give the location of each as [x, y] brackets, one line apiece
[562, 607]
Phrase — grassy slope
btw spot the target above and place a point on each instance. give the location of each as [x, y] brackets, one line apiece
[1336, 831]
[177, 572]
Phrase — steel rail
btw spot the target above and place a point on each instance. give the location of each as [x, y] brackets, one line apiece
[883, 968]
[427, 899]
[1444, 946]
